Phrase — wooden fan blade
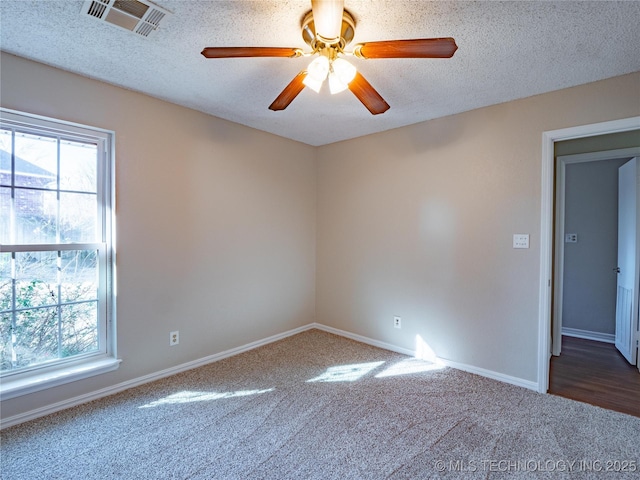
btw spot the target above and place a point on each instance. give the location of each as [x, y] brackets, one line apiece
[416, 48]
[232, 52]
[368, 95]
[290, 92]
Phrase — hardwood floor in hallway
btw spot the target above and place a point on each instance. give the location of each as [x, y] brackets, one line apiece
[595, 373]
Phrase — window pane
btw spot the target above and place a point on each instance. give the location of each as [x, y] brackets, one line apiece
[5, 215]
[36, 213]
[6, 303]
[79, 275]
[36, 336]
[78, 163]
[36, 279]
[79, 328]
[5, 139]
[5, 341]
[36, 161]
[5, 282]
[78, 213]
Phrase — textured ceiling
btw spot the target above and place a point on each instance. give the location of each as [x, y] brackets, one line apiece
[507, 50]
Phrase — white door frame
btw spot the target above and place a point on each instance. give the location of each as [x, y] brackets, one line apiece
[546, 228]
[558, 272]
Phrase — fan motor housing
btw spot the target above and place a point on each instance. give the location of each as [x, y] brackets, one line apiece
[346, 33]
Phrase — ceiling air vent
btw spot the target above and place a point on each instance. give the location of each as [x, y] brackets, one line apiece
[138, 16]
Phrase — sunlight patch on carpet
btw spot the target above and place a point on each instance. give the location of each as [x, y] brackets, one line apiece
[411, 365]
[189, 397]
[346, 373]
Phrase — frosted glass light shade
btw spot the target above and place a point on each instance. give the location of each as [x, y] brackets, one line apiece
[312, 83]
[342, 73]
[344, 70]
[319, 68]
[316, 73]
[335, 84]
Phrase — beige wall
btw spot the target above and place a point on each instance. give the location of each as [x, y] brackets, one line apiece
[220, 227]
[418, 222]
[215, 224]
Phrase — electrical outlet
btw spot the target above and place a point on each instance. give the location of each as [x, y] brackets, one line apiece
[174, 338]
[397, 322]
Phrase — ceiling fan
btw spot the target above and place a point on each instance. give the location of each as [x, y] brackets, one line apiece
[328, 28]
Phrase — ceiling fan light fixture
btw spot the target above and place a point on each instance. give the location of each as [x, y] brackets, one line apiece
[342, 73]
[313, 83]
[335, 84]
[319, 68]
[328, 28]
[344, 70]
[327, 16]
[317, 71]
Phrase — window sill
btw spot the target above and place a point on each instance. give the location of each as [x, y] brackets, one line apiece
[12, 388]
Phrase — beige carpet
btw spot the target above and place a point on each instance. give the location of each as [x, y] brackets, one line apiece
[318, 406]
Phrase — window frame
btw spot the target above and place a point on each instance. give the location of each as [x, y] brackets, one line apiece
[60, 371]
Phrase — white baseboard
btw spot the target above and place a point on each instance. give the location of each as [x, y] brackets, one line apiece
[501, 377]
[520, 382]
[367, 340]
[588, 335]
[104, 392]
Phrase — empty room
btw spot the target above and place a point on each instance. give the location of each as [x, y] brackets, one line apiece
[318, 239]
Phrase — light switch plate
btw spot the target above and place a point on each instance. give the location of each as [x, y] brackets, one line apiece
[520, 240]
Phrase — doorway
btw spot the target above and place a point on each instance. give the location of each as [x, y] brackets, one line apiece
[549, 140]
[586, 364]
[586, 244]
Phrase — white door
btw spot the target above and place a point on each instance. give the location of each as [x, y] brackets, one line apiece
[627, 287]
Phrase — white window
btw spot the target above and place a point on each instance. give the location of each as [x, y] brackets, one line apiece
[57, 312]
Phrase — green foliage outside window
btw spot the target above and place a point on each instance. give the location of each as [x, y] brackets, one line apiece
[50, 319]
